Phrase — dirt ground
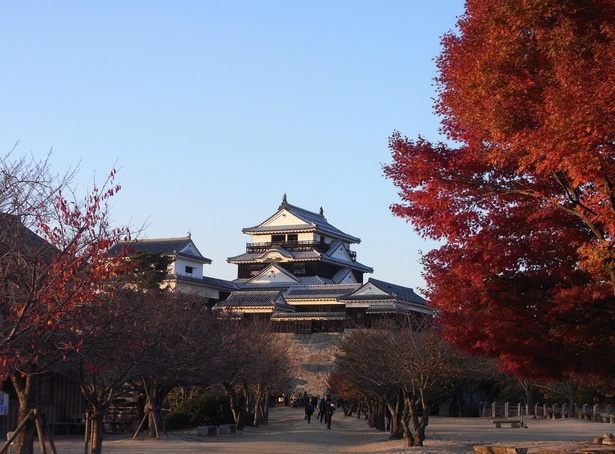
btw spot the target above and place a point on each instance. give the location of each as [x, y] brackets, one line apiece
[289, 433]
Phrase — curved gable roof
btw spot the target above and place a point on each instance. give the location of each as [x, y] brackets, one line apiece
[385, 291]
[273, 273]
[403, 293]
[314, 221]
[182, 246]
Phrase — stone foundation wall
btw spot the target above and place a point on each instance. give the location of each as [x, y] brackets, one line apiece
[313, 358]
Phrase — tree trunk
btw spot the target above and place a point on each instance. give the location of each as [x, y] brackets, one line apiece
[154, 396]
[25, 386]
[419, 423]
[236, 407]
[396, 406]
[154, 421]
[257, 408]
[96, 436]
[370, 412]
[266, 408]
[247, 405]
[405, 422]
[379, 415]
[570, 397]
[528, 387]
[365, 408]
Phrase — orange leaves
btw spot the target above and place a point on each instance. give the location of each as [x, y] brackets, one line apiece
[528, 75]
[524, 199]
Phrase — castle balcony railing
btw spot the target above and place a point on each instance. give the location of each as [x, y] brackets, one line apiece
[293, 246]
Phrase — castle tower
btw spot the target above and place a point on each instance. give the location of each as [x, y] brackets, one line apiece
[302, 243]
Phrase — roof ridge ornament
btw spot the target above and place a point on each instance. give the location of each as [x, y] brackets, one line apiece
[322, 212]
[284, 203]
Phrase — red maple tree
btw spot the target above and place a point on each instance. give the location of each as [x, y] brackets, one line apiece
[521, 196]
[46, 280]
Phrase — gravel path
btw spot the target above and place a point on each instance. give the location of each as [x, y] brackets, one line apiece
[289, 433]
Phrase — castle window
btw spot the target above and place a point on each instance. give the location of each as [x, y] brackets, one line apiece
[292, 237]
[189, 269]
[278, 238]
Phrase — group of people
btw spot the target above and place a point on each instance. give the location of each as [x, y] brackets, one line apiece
[325, 407]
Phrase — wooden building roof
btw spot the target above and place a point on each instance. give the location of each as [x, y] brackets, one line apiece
[256, 300]
[176, 247]
[315, 222]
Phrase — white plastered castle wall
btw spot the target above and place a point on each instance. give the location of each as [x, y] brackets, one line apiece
[180, 264]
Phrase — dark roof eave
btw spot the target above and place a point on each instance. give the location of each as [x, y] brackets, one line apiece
[201, 259]
[218, 284]
[342, 264]
[295, 229]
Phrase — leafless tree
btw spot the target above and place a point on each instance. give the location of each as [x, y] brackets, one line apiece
[256, 366]
[409, 366]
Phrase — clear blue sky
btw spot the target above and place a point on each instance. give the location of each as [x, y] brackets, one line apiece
[214, 109]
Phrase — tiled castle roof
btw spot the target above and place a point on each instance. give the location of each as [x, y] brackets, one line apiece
[403, 293]
[271, 299]
[316, 222]
[311, 255]
[163, 246]
[220, 284]
[320, 291]
[390, 291]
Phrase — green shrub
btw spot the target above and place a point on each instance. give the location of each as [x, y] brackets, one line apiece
[208, 409]
[176, 421]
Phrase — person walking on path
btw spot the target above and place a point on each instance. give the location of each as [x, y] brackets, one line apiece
[321, 409]
[309, 410]
[329, 409]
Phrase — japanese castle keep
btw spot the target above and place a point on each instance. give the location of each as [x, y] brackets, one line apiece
[299, 273]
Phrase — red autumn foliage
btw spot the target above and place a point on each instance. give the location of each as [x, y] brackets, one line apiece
[50, 277]
[53, 275]
[522, 195]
